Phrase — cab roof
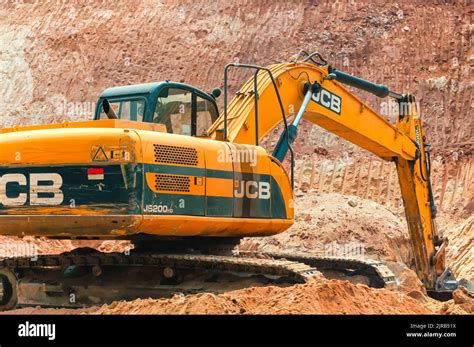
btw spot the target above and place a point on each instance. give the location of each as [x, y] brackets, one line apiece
[144, 88]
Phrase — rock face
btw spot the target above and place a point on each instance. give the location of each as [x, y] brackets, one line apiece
[460, 253]
[56, 59]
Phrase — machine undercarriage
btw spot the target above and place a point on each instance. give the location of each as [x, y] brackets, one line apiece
[85, 276]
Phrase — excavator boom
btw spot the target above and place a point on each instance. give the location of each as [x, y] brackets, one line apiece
[283, 89]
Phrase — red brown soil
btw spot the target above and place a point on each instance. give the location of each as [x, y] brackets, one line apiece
[460, 253]
[320, 297]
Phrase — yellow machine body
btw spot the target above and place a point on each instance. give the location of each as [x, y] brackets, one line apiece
[112, 178]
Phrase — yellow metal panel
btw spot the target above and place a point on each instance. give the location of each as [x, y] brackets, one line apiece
[114, 226]
[219, 187]
[212, 226]
[68, 146]
[281, 177]
[106, 123]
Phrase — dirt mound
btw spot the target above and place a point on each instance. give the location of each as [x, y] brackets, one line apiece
[464, 299]
[322, 297]
[335, 224]
[462, 303]
[319, 297]
[408, 282]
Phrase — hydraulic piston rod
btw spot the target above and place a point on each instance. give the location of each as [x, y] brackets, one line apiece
[379, 90]
[283, 144]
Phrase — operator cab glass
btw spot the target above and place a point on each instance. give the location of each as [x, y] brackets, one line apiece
[173, 109]
[206, 114]
[126, 109]
[184, 112]
[183, 109]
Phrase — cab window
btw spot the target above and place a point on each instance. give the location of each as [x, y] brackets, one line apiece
[206, 114]
[183, 112]
[126, 109]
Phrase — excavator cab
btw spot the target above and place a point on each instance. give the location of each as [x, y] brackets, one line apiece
[183, 109]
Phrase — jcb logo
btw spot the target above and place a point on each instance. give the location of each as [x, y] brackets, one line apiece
[252, 190]
[40, 184]
[329, 100]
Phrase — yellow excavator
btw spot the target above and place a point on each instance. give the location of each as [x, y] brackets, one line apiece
[159, 166]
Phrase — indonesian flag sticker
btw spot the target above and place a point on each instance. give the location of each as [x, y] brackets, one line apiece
[95, 174]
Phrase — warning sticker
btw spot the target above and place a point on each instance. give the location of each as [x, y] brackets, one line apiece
[110, 153]
[99, 154]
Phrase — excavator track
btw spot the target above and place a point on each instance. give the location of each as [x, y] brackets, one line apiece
[81, 278]
[378, 274]
[87, 277]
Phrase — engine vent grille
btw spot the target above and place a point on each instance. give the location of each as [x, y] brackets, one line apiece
[173, 183]
[176, 155]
